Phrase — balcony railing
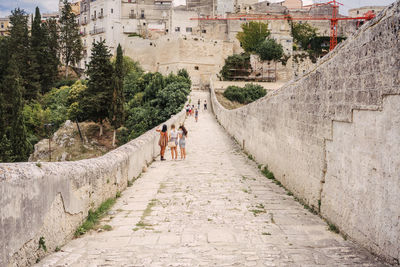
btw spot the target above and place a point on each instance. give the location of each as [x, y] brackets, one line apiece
[97, 31]
[101, 16]
[132, 16]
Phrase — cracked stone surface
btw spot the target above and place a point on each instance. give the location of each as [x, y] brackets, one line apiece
[213, 209]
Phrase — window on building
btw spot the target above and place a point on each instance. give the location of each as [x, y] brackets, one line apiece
[95, 14]
[112, 11]
[142, 13]
[196, 67]
[2, 25]
[188, 29]
[358, 12]
[101, 39]
[177, 29]
[204, 31]
[85, 20]
[101, 12]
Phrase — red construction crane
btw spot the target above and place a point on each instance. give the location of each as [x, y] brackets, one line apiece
[334, 19]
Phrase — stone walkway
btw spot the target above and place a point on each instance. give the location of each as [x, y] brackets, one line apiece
[213, 209]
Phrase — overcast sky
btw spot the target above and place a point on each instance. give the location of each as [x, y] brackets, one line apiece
[52, 5]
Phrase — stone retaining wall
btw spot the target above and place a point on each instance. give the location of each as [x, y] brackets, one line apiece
[51, 200]
[332, 137]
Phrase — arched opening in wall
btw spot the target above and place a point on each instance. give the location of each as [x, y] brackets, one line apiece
[196, 67]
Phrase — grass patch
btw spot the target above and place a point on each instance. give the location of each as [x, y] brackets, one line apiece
[257, 211]
[93, 217]
[107, 227]
[42, 244]
[246, 191]
[38, 164]
[267, 173]
[57, 249]
[272, 218]
[130, 183]
[142, 224]
[266, 233]
[333, 228]
[118, 194]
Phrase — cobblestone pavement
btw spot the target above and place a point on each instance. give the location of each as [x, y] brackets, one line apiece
[213, 209]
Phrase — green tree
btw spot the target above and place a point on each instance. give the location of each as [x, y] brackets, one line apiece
[4, 55]
[100, 86]
[117, 110]
[156, 83]
[252, 34]
[20, 47]
[235, 66]
[15, 133]
[70, 40]
[303, 33]
[49, 60]
[269, 50]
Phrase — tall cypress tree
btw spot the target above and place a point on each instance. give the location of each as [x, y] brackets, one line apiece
[15, 131]
[44, 48]
[51, 49]
[70, 40]
[20, 47]
[117, 110]
[100, 85]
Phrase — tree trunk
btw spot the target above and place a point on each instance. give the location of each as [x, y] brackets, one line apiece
[66, 70]
[114, 135]
[101, 127]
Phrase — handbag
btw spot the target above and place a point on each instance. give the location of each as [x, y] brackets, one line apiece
[171, 144]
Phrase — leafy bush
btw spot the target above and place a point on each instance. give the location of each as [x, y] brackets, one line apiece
[236, 65]
[77, 103]
[269, 50]
[64, 83]
[57, 102]
[246, 94]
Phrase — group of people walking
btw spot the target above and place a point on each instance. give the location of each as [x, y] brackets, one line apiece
[191, 110]
[175, 138]
[172, 140]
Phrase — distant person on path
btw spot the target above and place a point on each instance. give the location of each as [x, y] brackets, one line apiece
[192, 109]
[163, 140]
[196, 114]
[205, 104]
[198, 104]
[182, 140]
[173, 142]
[187, 110]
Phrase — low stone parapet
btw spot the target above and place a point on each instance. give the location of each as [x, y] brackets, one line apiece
[50, 200]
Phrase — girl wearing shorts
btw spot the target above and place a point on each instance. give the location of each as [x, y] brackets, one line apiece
[173, 142]
[182, 140]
